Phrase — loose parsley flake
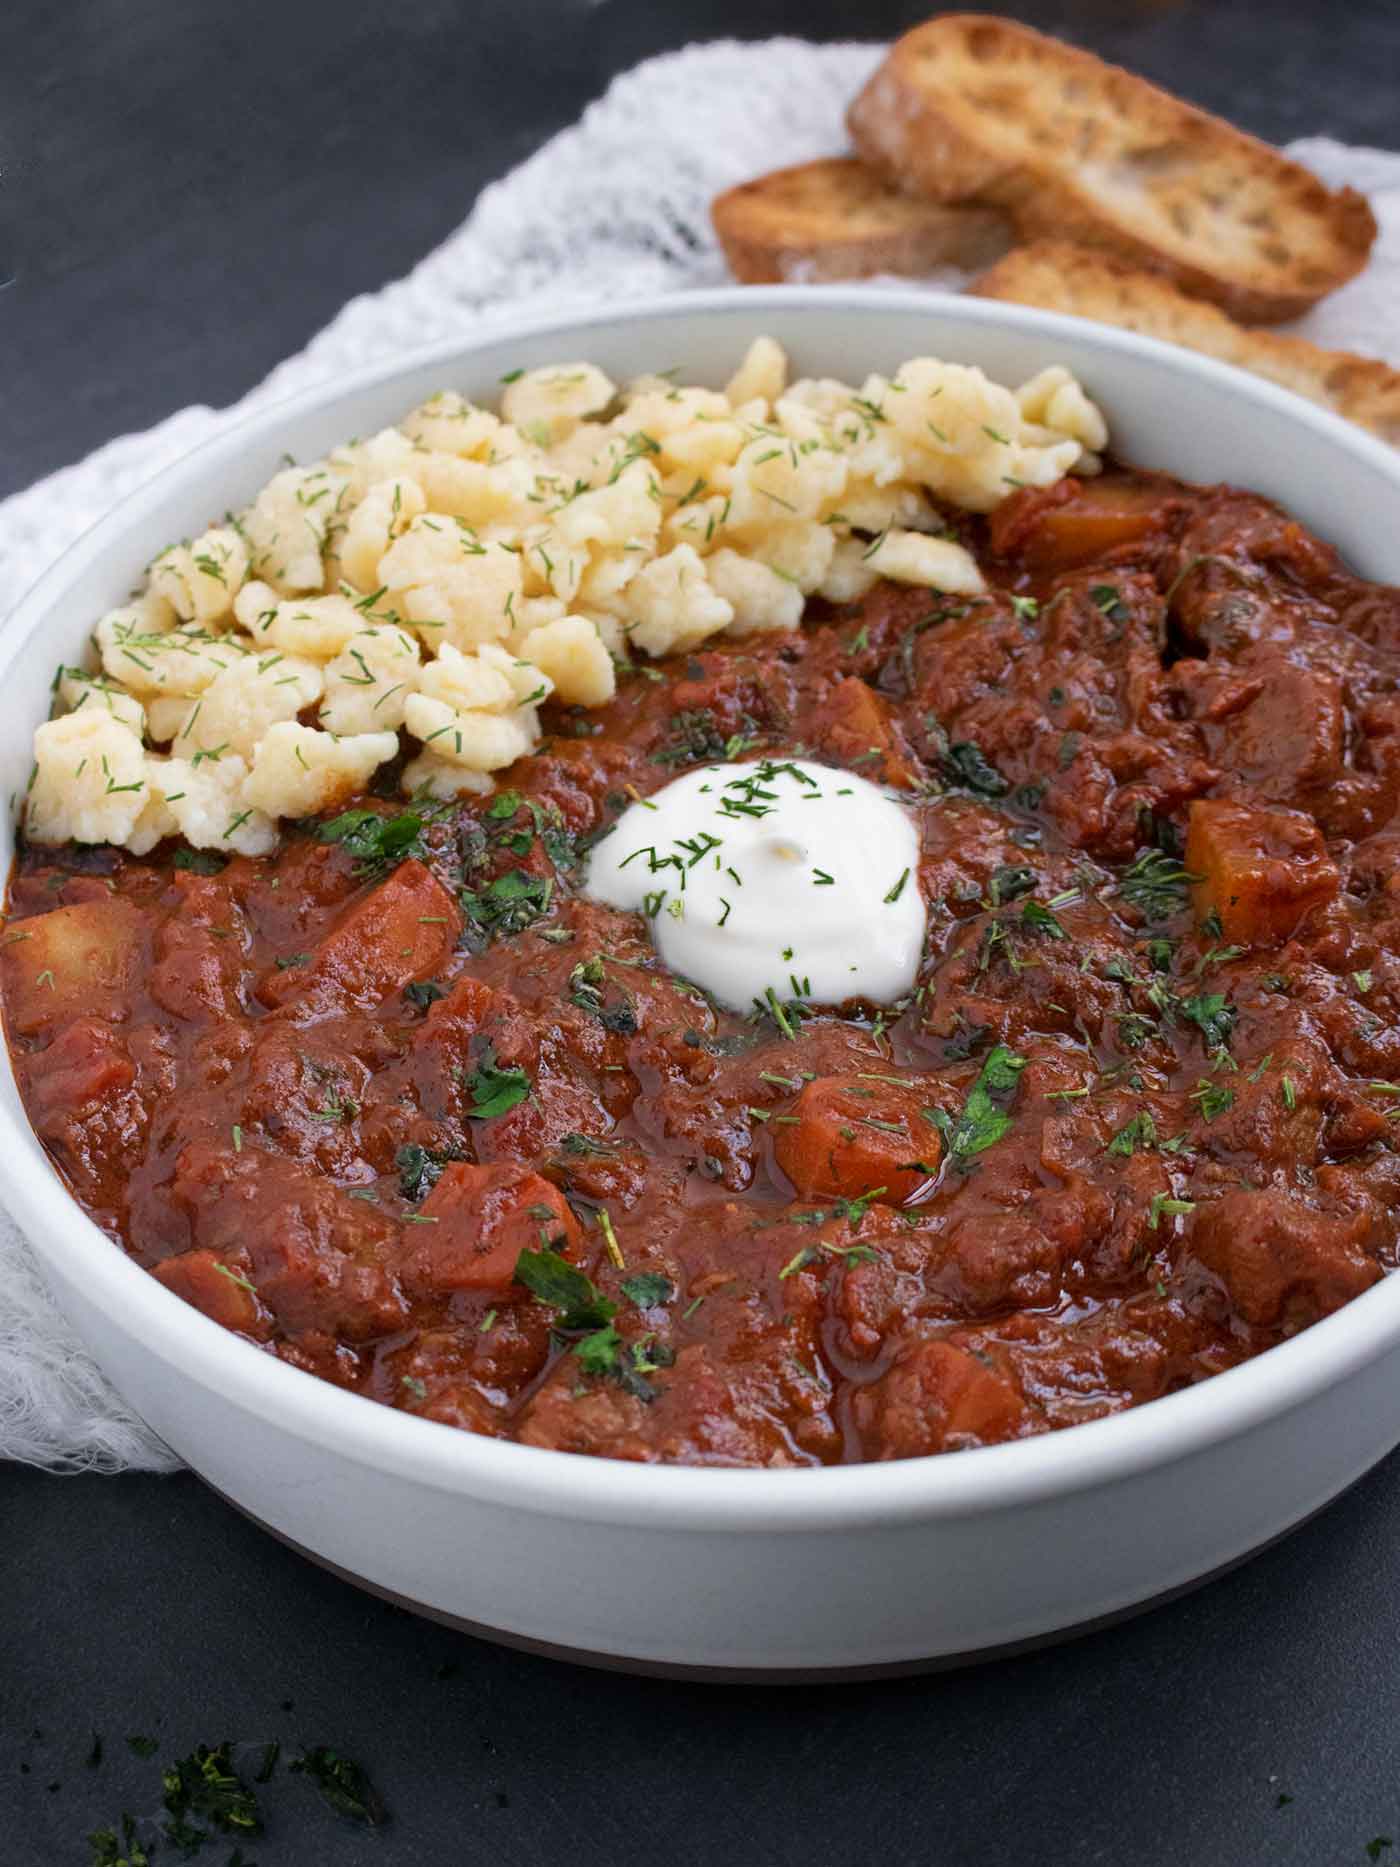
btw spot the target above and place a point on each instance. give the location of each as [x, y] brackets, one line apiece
[588, 1315]
[344, 1785]
[1215, 1016]
[494, 1089]
[1164, 1203]
[648, 1289]
[984, 1118]
[696, 739]
[205, 1795]
[585, 990]
[199, 861]
[564, 1287]
[377, 842]
[1037, 918]
[1214, 1098]
[507, 905]
[1140, 1132]
[966, 765]
[1155, 884]
[1010, 883]
[420, 1168]
[113, 1849]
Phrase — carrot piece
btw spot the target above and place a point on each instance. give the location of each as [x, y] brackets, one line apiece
[856, 723]
[400, 931]
[222, 1291]
[1076, 521]
[978, 1403]
[482, 1218]
[858, 1138]
[1260, 870]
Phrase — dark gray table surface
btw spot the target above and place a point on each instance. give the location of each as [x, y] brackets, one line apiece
[187, 191]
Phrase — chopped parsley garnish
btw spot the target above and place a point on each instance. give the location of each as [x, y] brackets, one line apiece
[1009, 884]
[984, 1118]
[850, 1256]
[199, 861]
[1164, 1203]
[1155, 884]
[584, 1145]
[424, 992]
[585, 990]
[564, 1287]
[420, 1168]
[1140, 1132]
[344, 1785]
[1038, 919]
[786, 1017]
[588, 1315]
[598, 1352]
[494, 1090]
[852, 1210]
[111, 1848]
[376, 841]
[507, 905]
[648, 1289]
[1214, 1098]
[966, 765]
[1215, 1016]
[205, 1795]
[696, 739]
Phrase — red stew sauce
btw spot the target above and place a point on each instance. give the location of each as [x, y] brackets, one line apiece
[400, 1108]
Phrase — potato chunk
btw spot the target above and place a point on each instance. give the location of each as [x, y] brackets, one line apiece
[1260, 870]
[76, 961]
[402, 930]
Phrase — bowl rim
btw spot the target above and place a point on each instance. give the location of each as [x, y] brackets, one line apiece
[373, 1436]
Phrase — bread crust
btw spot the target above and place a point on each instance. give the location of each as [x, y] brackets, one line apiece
[1055, 275]
[969, 107]
[821, 222]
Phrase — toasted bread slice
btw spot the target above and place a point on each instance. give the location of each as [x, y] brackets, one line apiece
[837, 219]
[968, 107]
[1057, 276]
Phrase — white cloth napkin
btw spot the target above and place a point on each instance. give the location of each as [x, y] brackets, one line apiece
[615, 207]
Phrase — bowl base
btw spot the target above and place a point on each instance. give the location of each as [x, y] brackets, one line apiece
[766, 1675]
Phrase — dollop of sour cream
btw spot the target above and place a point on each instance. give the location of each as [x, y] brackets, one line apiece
[788, 878]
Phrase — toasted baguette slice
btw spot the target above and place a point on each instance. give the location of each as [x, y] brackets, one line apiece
[1059, 277]
[968, 107]
[837, 219]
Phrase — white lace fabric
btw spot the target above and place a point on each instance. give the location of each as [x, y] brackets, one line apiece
[614, 208]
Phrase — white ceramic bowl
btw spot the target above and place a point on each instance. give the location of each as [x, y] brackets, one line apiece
[773, 1573]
